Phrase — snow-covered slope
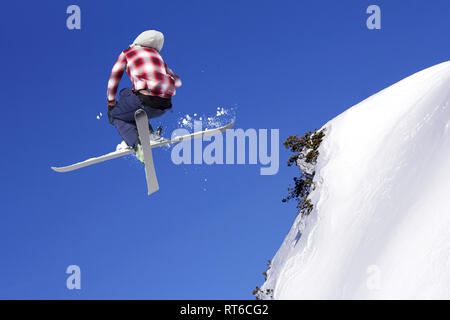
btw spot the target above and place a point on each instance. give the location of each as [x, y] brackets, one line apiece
[380, 228]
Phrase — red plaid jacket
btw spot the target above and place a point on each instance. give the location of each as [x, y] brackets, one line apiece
[146, 69]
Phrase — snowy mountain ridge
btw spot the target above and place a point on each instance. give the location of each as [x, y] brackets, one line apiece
[380, 227]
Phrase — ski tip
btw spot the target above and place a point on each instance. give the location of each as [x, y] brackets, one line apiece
[228, 126]
[56, 169]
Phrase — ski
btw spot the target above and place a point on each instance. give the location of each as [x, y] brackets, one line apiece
[144, 136]
[91, 161]
[125, 152]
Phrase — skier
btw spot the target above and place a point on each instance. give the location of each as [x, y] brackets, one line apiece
[154, 84]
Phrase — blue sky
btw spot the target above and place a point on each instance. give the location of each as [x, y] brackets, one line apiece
[287, 65]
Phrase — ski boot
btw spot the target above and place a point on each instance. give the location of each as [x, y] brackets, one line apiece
[155, 136]
[123, 146]
[158, 131]
[139, 153]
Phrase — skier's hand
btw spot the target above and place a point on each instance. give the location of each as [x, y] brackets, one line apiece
[110, 107]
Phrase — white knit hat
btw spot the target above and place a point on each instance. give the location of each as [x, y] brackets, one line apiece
[151, 39]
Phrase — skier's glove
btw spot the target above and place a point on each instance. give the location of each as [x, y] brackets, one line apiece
[110, 107]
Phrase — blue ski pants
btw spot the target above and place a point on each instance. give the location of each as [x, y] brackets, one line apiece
[122, 115]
